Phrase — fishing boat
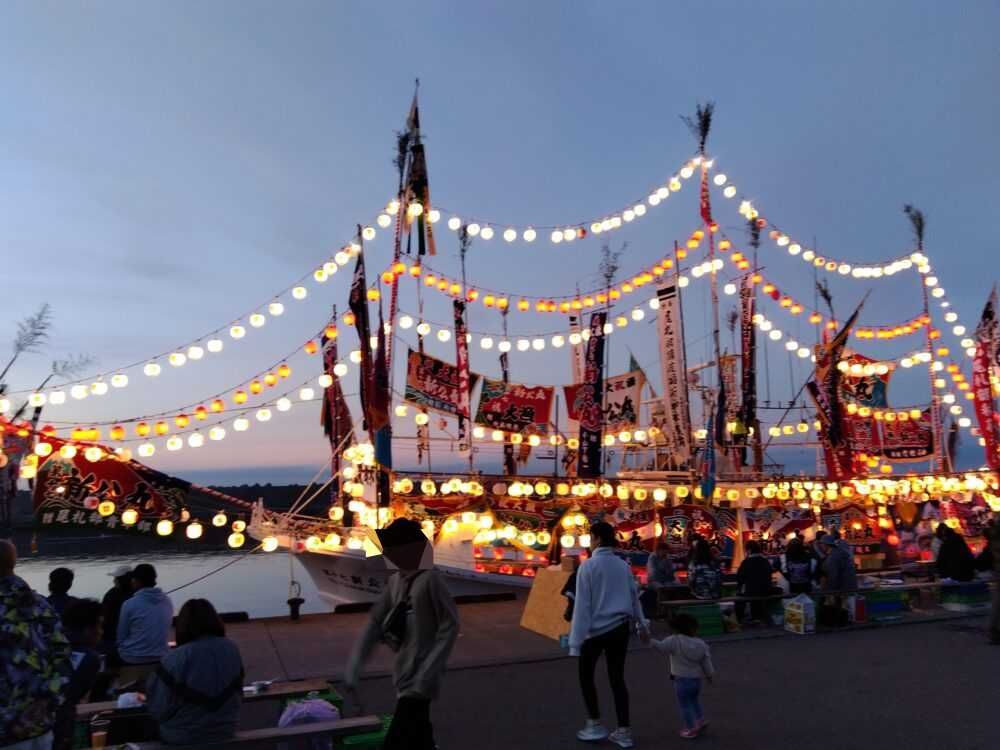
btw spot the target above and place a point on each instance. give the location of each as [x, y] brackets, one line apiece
[695, 457]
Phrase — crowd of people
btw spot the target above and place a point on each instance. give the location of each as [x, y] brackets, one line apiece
[58, 650]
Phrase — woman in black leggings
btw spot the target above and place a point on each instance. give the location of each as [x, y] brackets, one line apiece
[605, 611]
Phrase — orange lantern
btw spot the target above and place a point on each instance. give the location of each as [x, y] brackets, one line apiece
[472, 295]
[117, 432]
[523, 305]
[240, 397]
[284, 370]
[161, 428]
[200, 413]
[540, 306]
[349, 318]
[310, 347]
[373, 295]
[502, 303]
[331, 331]
[388, 277]
[270, 379]
[182, 420]
[142, 429]
[218, 405]
[489, 300]
[415, 271]
[256, 387]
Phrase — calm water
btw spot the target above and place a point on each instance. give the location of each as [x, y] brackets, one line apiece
[256, 584]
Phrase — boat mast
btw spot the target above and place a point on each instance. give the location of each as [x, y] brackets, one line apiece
[936, 463]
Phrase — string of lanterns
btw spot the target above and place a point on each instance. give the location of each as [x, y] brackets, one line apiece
[566, 304]
[487, 229]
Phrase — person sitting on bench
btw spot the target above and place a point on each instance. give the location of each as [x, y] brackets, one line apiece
[196, 691]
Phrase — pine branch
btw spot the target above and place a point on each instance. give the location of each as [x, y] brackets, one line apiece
[701, 123]
[823, 289]
[32, 334]
[610, 262]
[753, 228]
[73, 365]
[402, 149]
[732, 319]
[916, 217]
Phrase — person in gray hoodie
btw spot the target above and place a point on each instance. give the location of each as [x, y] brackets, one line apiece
[144, 623]
[415, 617]
[690, 661]
[196, 691]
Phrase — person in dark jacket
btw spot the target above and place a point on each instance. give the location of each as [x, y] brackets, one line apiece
[60, 582]
[754, 579]
[955, 560]
[798, 568]
[196, 691]
[82, 625]
[112, 603]
[704, 573]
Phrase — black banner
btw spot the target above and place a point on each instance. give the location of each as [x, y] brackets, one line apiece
[588, 401]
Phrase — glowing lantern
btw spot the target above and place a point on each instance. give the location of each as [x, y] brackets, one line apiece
[284, 370]
[43, 449]
[106, 508]
[219, 520]
[236, 540]
[239, 525]
[240, 397]
[310, 347]
[194, 530]
[93, 454]
[270, 379]
[182, 420]
[256, 387]
[161, 428]
[269, 543]
[142, 429]
[130, 516]
[165, 527]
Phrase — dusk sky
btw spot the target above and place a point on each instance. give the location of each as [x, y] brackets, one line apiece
[168, 167]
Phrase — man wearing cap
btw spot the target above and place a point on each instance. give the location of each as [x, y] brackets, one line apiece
[117, 595]
[416, 617]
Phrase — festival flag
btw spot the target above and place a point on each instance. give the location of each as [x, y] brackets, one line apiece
[861, 382]
[676, 427]
[708, 464]
[633, 366]
[67, 491]
[576, 350]
[748, 354]
[982, 380]
[418, 185]
[381, 421]
[908, 440]
[622, 397]
[509, 464]
[588, 401]
[336, 415]
[433, 384]
[358, 302]
[513, 407]
[825, 391]
[464, 382]
[705, 201]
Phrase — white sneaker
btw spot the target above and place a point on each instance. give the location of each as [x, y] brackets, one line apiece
[593, 731]
[622, 737]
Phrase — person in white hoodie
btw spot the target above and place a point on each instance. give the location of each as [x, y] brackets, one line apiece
[144, 625]
[690, 661]
[605, 612]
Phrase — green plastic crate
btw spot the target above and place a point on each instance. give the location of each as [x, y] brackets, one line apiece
[372, 740]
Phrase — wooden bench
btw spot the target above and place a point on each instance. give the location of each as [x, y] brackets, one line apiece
[277, 691]
[291, 737]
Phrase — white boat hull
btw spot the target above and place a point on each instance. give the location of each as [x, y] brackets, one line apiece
[344, 578]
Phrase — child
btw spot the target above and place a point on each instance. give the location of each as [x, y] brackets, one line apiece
[690, 660]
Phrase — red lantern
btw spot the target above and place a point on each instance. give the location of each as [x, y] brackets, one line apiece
[310, 347]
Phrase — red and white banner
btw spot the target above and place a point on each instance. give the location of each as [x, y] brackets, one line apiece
[464, 383]
[622, 395]
[982, 380]
[676, 427]
[576, 351]
[908, 440]
[514, 407]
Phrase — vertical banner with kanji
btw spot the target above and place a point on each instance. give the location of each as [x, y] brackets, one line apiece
[673, 370]
[982, 380]
[462, 362]
[589, 399]
[575, 350]
[748, 346]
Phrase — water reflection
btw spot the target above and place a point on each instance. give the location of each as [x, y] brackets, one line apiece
[257, 583]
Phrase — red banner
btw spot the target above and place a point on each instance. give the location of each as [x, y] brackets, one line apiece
[514, 407]
[986, 413]
[588, 401]
[861, 435]
[909, 440]
[622, 398]
[68, 490]
[434, 384]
